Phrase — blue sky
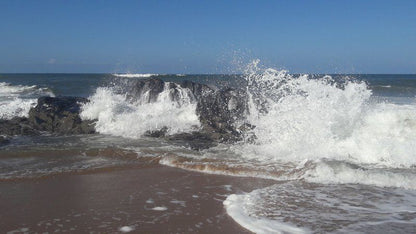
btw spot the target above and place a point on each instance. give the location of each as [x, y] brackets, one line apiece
[207, 36]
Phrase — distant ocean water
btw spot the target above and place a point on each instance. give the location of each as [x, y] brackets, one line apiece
[342, 148]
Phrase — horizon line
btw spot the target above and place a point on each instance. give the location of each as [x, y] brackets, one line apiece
[188, 74]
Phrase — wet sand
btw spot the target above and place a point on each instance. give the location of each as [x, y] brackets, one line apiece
[155, 199]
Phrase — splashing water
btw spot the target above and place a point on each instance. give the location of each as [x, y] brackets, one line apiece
[348, 161]
[302, 117]
[118, 115]
[16, 100]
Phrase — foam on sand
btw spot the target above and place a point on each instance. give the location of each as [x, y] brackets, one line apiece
[234, 204]
[159, 208]
[126, 229]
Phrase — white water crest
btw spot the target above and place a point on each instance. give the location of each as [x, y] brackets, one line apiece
[344, 155]
[296, 207]
[16, 100]
[307, 118]
[239, 208]
[120, 116]
[138, 75]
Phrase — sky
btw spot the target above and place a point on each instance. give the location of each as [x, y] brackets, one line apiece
[207, 36]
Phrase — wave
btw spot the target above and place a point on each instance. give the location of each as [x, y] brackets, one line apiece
[120, 115]
[336, 172]
[318, 130]
[236, 207]
[16, 100]
[320, 171]
[305, 118]
[297, 207]
[138, 75]
[16, 107]
[328, 133]
[297, 118]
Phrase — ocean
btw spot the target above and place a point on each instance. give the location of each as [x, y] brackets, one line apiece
[339, 150]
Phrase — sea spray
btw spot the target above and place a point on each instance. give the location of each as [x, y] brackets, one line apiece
[16, 100]
[347, 157]
[132, 75]
[121, 115]
[304, 117]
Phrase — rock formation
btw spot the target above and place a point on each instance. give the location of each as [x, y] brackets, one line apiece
[56, 115]
[221, 113]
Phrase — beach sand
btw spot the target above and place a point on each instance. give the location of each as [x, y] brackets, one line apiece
[156, 199]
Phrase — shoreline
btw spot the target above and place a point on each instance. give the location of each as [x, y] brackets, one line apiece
[146, 199]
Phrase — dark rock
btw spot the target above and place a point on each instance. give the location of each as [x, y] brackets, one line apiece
[4, 141]
[157, 133]
[199, 91]
[246, 127]
[60, 115]
[247, 134]
[148, 90]
[219, 111]
[193, 140]
[16, 126]
[145, 90]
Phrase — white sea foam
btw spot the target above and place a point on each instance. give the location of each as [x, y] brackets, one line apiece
[119, 116]
[16, 107]
[336, 172]
[16, 100]
[138, 75]
[7, 90]
[159, 208]
[309, 118]
[298, 207]
[126, 229]
[236, 206]
[318, 130]
[355, 157]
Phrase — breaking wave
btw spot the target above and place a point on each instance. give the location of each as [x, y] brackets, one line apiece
[138, 75]
[327, 132]
[306, 118]
[16, 100]
[120, 115]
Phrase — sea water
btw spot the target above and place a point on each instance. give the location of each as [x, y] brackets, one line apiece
[341, 148]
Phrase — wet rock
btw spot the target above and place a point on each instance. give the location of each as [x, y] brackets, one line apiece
[16, 126]
[145, 90]
[4, 141]
[199, 91]
[157, 133]
[60, 115]
[246, 133]
[219, 111]
[193, 140]
[148, 90]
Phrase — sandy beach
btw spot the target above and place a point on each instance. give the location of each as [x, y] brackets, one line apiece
[158, 199]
